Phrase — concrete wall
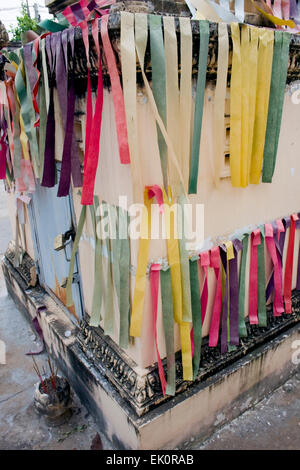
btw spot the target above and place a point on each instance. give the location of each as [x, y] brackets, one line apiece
[225, 209]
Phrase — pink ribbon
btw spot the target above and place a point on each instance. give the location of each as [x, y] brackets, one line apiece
[289, 266]
[204, 262]
[215, 262]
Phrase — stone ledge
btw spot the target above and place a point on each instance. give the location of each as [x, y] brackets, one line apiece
[196, 411]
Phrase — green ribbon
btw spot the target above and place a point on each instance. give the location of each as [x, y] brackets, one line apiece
[69, 297]
[27, 112]
[124, 278]
[167, 311]
[17, 142]
[184, 263]
[242, 287]
[196, 312]
[201, 81]
[108, 298]
[159, 85]
[261, 281]
[277, 89]
[98, 272]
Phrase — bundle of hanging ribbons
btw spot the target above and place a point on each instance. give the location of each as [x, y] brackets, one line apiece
[227, 322]
[259, 68]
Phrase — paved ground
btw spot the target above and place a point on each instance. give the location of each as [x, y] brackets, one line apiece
[272, 424]
[20, 426]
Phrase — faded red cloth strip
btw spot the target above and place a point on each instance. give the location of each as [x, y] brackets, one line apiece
[92, 154]
[68, 14]
[278, 301]
[204, 262]
[118, 99]
[154, 281]
[289, 266]
[255, 240]
[215, 262]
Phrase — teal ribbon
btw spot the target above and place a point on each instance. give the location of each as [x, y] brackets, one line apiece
[277, 89]
[201, 81]
[108, 298]
[167, 311]
[261, 281]
[196, 312]
[27, 110]
[124, 278]
[159, 85]
[52, 26]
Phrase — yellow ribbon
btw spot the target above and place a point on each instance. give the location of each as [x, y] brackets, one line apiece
[235, 106]
[245, 123]
[140, 279]
[275, 19]
[264, 67]
[176, 285]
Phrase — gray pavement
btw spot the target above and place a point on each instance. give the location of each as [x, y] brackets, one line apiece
[274, 423]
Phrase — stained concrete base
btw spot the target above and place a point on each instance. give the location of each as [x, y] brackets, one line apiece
[196, 413]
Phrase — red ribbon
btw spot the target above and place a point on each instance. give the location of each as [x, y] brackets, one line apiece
[255, 240]
[154, 281]
[215, 262]
[289, 266]
[118, 98]
[91, 156]
[278, 302]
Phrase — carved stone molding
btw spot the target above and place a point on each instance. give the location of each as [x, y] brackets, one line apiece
[144, 392]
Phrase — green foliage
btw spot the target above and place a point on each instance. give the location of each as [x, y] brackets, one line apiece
[25, 23]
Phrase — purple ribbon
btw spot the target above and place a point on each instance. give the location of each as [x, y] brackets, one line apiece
[294, 13]
[48, 179]
[70, 157]
[279, 245]
[77, 12]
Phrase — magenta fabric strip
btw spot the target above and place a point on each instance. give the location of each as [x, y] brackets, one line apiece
[204, 263]
[215, 263]
[224, 331]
